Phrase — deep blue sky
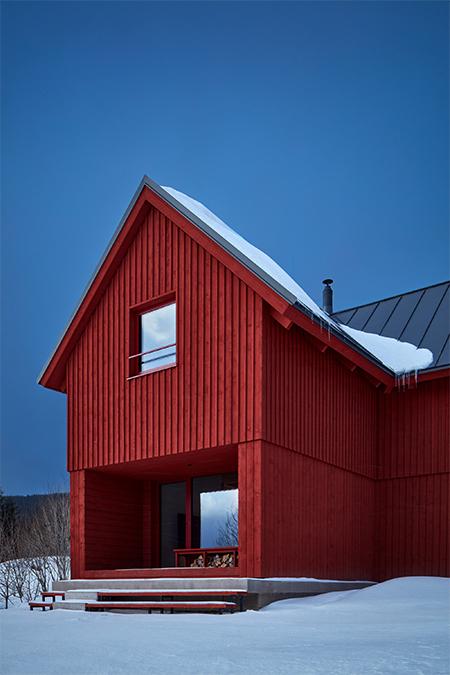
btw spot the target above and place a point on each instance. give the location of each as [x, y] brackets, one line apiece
[318, 130]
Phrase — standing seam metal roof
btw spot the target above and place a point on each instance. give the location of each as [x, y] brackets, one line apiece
[421, 317]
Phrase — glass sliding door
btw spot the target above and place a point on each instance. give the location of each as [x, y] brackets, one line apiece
[172, 521]
[213, 511]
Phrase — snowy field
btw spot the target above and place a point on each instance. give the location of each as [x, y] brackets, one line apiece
[399, 627]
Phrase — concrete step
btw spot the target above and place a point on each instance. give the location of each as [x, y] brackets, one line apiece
[81, 595]
[258, 592]
[251, 585]
[71, 604]
[152, 584]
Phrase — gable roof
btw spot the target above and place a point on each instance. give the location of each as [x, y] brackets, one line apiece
[376, 355]
[421, 317]
[399, 356]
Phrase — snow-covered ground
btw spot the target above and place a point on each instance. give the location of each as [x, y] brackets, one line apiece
[399, 627]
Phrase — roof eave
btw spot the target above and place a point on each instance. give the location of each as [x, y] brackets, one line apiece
[117, 231]
[291, 299]
[434, 373]
[343, 337]
[272, 283]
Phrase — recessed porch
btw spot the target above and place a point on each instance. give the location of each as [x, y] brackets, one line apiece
[174, 516]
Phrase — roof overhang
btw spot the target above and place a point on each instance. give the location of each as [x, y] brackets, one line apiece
[150, 194]
[433, 373]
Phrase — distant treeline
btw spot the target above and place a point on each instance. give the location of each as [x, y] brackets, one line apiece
[27, 505]
[34, 543]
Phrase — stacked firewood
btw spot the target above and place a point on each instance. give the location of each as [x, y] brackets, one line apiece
[213, 560]
[199, 561]
[221, 560]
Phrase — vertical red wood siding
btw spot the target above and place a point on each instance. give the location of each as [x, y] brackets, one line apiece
[315, 405]
[318, 463]
[414, 431]
[317, 519]
[413, 526]
[336, 478]
[413, 493]
[211, 398]
[389, 507]
[250, 509]
[77, 521]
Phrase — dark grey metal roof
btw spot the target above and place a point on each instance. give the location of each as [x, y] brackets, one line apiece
[421, 317]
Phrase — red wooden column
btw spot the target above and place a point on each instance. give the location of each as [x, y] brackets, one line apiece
[77, 524]
[250, 512]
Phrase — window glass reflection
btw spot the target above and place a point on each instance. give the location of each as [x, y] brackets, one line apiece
[215, 510]
[218, 518]
[158, 337]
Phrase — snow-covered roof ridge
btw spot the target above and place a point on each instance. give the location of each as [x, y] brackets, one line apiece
[400, 357]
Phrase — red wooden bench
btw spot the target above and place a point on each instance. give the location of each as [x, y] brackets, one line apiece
[43, 605]
[162, 606]
[53, 595]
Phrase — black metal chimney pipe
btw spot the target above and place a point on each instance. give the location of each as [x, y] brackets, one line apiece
[327, 295]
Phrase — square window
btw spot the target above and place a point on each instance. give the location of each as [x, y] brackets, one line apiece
[156, 333]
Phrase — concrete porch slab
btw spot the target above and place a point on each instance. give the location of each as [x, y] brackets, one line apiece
[260, 592]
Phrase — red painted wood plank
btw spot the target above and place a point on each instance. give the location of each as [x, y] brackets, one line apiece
[241, 376]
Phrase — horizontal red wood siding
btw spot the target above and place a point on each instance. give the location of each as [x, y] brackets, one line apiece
[211, 398]
[314, 404]
[317, 519]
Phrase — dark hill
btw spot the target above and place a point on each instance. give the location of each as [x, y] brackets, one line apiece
[26, 505]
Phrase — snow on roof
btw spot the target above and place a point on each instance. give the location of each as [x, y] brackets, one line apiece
[400, 357]
[420, 316]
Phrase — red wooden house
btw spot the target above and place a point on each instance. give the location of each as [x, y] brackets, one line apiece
[197, 373]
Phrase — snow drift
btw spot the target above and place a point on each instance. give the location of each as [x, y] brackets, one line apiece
[399, 627]
[400, 357]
